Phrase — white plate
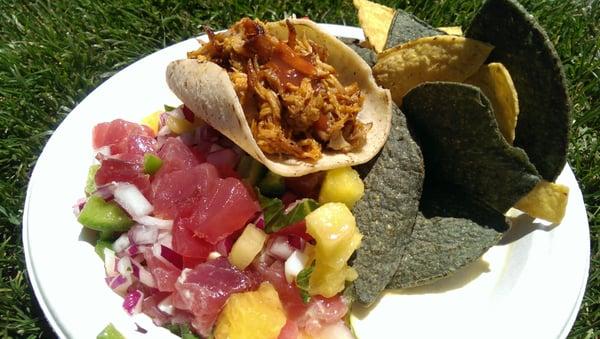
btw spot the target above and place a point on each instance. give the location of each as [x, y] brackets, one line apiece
[529, 287]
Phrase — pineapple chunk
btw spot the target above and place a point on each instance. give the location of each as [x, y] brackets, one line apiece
[258, 314]
[152, 121]
[337, 237]
[342, 185]
[247, 246]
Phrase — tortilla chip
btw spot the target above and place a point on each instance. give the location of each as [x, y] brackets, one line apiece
[375, 20]
[523, 47]
[546, 201]
[386, 213]
[495, 82]
[438, 58]
[462, 145]
[452, 30]
[406, 27]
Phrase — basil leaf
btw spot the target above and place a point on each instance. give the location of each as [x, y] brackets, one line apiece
[276, 219]
[302, 280]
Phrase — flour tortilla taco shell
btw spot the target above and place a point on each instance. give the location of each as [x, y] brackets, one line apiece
[206, 89]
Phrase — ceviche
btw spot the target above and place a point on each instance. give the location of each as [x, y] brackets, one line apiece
[203, 239]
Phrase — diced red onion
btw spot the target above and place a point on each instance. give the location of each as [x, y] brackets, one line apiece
[110, 262]
[143, 235]
[132, 250]
[132, 200]
[166, 305]
[133, 302]
[224, 246]
[104, 191]
[124, 266]
[121, 243]
[78, 206]
[164, 131]
[280, 247]
[296, 242]
[142, 274]
[166, 254]
[120, 283]
[260, 221]
[155, 222]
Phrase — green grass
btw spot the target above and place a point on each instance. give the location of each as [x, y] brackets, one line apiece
[53, 53]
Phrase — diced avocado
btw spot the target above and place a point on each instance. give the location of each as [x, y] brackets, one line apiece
[110, 332]
[250, 170]
[107, 235]
[100, 215]
[90, 185]
[152, 163]
[272, 184]
[100, 246]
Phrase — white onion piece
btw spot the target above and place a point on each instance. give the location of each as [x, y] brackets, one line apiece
[124, 266]
[165, 238]
[166, 305]
[110, 262]
[294, 264]
[132, 303]
[132, 200]
[104, 150]
[121, 243]
[337, 330]
[213, 255]
[155, 222]
[143, 235]
[280, 248]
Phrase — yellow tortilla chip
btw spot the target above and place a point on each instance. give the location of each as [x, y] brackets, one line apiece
[495, 82]
[546, 201]
[375, 20]
[436, 58]
[452, 30]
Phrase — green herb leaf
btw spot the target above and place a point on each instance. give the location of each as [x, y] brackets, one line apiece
[302, 280]
[169, 108]
[276, 219]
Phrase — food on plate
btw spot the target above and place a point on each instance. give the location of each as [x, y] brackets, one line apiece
[375, 19]
[523, 47]
[293, 97]
[178, 215]
[341, 185]
[435, 58]
[452, 30]
[546, 201]
[387, 212]
[496, 84]
[462, 145]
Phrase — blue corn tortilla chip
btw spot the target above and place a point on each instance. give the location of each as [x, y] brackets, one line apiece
[365, 53]
[462, 145]
[451, 231]
[523, 47]
[406, 27]
[386, 213]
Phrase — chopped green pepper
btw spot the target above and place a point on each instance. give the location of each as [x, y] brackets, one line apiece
[152, 163]
[110, 332]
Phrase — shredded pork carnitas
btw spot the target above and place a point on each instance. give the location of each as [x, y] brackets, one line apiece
[292, 98]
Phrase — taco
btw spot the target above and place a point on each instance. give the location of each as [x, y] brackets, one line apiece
[293, 97]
